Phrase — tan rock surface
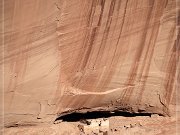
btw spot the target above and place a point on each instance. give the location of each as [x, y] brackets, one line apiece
[61, 56]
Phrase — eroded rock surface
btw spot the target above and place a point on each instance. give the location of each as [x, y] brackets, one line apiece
[62, 56]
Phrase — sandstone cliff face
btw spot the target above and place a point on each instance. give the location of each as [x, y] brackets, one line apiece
[84, 55]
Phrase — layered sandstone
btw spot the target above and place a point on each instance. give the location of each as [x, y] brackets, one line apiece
[84, 55]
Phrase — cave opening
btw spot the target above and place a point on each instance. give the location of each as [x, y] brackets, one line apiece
[75, 116]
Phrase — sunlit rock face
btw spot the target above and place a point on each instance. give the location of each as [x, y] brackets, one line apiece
[88, 55]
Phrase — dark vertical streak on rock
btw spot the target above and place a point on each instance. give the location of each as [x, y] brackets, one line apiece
[88, 44]
[171, 70]
[112, 65]
[102, 11]
[106, 31]
[170, 40]
[88, 52]
[87, 48]
[147, 61]
[120, 32]
[92, 37]
[133, 71]
[149, 54]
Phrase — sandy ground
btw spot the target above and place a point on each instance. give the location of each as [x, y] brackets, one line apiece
[119, 125]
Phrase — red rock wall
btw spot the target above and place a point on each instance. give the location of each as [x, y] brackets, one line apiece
[63, 56]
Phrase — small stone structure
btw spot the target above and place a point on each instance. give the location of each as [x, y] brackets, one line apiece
[95, 126]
